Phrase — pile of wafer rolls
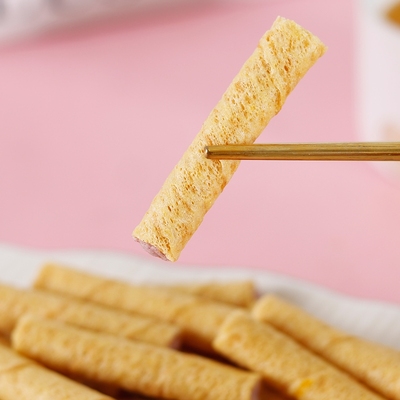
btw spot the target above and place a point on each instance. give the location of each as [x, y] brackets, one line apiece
[79, 335]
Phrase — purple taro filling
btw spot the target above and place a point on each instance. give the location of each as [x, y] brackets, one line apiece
[151, 249]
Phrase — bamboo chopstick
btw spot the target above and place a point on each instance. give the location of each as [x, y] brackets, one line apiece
[356, 151]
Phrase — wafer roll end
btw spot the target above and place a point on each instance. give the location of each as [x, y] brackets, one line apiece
[151, 249]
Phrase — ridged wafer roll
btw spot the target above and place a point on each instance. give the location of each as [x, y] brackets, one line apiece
[134, 366]
[375, 365]
[23, 379]
[239, 293]
[198, 317]
[282, 57]
[284, 363]
[16, 302]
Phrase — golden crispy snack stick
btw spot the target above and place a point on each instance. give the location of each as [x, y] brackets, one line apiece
[15, 302]
[239, 293]
[134, 366]
[375, 365]
[23, 379]
[198, 317]
[284, 363]
[282, 57]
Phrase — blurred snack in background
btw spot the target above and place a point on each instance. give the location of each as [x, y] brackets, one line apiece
[23, 18]
[377, 74]
[393, 13]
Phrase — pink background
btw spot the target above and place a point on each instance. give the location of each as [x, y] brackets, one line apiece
[92, 122]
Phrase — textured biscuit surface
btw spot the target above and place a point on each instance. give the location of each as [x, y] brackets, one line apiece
[22, 379]
[16, 302]
[134, 366]
[239, 293]
[373, 364]
[284, 363]
[198, 317]
[283, 56]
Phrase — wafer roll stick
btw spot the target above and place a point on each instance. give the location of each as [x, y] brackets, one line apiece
[16, 302]
[284, 363]
[134, 366]
[375, 365]
[23, 379]
[240, 293]
[198, 317]
[283, 56]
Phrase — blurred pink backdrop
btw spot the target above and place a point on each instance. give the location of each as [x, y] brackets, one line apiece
[92, 122]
